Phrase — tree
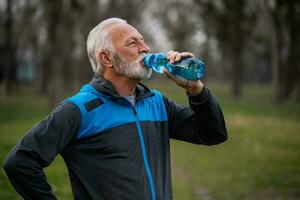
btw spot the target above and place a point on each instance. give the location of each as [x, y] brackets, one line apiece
[231, 22]
[285, 38]
[54, 14]
[10, 66]
[179, 26]
[293, 59]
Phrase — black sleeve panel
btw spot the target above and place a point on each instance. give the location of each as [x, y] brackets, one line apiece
[201, 123]
[38, 148]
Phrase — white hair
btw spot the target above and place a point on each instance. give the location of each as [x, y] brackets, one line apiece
[99, 39]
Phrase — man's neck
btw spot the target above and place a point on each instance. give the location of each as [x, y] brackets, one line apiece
[125, 86]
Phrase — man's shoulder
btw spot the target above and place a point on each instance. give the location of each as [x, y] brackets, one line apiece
[86, 94]
[65, 106]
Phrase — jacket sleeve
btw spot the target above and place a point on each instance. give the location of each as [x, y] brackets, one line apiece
[38, 148]
[200, 123]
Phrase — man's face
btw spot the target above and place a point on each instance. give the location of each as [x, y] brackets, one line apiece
[130, 50]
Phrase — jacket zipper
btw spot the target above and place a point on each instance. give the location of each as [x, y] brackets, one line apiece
[144, 154]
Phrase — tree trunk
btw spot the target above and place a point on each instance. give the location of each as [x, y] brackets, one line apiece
[45, 71]
[275, 66]
[10, 65]
[237, 74]
[278, 71]
[55, 51]
[296, 63]
[68, 44]
[293, 63]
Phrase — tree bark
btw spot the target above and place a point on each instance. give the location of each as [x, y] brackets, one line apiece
[275, 65]
[10, 65]
[55, 51]
[237, 72]
[278, 70]
[293, 62]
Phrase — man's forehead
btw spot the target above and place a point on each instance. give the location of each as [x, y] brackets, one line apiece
[123, 32]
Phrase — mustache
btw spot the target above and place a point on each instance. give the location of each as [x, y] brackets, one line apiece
[138, 60]
[141, 57]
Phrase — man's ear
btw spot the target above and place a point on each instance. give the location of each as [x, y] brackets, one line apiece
[105, 58]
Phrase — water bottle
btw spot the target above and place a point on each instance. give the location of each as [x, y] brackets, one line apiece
[187, 68]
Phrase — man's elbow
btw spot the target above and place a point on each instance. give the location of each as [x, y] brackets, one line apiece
[10, 165]
[221, 137]
[215, 137]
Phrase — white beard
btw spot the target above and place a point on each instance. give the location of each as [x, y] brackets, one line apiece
[133, 69]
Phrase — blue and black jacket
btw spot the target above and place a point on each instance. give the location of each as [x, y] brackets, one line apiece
[113, 150]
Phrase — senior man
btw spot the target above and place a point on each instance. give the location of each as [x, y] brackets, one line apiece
[114, 133]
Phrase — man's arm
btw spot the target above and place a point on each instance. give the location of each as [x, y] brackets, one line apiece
[24, 164]
[201, 123]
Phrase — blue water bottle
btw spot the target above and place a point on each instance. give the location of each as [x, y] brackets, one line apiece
[187, 68]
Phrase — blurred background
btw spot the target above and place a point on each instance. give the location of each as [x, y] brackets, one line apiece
[252, 52]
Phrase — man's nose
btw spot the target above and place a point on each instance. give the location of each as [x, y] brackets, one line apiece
[144, 48]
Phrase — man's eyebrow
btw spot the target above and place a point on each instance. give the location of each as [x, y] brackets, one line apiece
[135, 38]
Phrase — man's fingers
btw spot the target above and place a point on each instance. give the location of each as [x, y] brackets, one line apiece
[187, 54]
[178, 57]
[172, 56]
[175, 56]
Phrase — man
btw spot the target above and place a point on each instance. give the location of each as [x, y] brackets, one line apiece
[114, 134]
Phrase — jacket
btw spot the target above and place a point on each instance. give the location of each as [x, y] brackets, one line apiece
[112, 149]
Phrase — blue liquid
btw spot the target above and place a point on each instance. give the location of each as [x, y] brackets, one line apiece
[188, 68]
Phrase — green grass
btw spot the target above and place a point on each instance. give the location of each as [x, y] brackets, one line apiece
[260, 160]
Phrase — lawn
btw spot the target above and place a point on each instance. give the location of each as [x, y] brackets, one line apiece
[260, 160]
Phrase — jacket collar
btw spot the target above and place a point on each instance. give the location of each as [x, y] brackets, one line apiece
[106, 87]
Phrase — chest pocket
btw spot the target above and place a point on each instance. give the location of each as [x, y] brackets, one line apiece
[91, 105]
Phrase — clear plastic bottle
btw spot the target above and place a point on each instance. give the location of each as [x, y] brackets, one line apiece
[187, 68]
